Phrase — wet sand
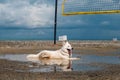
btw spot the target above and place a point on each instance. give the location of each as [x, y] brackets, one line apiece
[14, 70]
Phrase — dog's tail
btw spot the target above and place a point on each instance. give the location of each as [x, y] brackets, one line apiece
[32, 56]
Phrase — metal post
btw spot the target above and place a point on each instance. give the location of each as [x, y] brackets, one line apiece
[55, 22]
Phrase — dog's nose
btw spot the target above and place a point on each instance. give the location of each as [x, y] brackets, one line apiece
[72, 48]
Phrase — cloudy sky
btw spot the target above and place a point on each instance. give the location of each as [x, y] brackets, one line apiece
[34, 20]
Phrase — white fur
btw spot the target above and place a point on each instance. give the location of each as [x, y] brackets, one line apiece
[58, 54]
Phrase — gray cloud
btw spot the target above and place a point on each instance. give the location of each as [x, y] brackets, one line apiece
[23, 13]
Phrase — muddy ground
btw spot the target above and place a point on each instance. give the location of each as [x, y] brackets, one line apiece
[13, 70]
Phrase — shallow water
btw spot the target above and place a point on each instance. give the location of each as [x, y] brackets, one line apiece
[48, 65]
[15, 57]
[100, 59]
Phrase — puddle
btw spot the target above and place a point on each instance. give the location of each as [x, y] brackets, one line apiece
[100, 59]
[49, 65]
[15, 57]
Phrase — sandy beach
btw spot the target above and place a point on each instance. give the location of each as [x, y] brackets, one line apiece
[15, 70]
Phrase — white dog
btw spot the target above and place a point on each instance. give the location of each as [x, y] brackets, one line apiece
[64, 53]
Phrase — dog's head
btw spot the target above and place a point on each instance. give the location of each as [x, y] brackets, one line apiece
[67, 48]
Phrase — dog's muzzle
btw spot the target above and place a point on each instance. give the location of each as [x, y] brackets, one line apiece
[70, 51]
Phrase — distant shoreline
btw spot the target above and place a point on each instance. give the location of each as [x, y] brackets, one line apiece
[75, 43]
[81, 47]
[56, 40]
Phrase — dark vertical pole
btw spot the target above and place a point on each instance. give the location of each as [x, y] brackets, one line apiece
[55, 22]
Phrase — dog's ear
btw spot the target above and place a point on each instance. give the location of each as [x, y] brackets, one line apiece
[64, 42]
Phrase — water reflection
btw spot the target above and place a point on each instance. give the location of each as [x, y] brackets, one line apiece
[51, 65]
[47, 65]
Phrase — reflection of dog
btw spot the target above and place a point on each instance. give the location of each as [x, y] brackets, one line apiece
[62, 64]
[59, 64]
[64, 53]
